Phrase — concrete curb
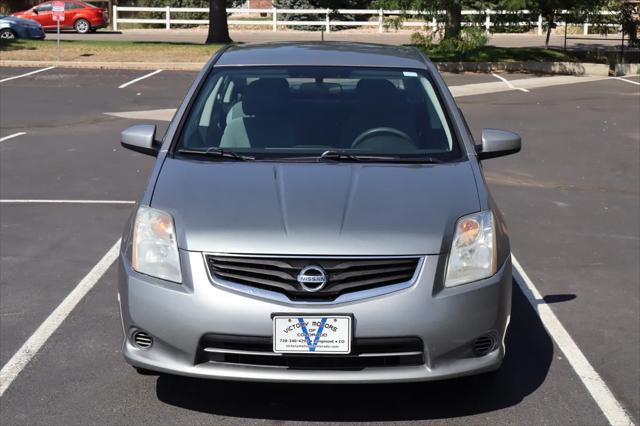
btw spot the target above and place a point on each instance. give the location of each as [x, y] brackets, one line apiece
[170, 66]
[562, 68]
[626, 69]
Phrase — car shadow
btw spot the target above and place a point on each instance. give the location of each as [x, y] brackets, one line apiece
[529, 355]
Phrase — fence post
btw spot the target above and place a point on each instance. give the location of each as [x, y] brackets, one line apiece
[487, 21]
[539, 24]
[327, 23]
[380, 20]
[585, 27]
[167, 18]
[114, 18]
[274, 18]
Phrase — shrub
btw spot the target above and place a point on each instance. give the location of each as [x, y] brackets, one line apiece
[470, 38]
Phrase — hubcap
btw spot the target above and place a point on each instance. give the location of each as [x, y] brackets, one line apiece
[6, 35]
[81, 26]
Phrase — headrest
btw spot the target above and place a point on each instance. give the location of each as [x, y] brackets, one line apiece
[265, 96]
[369, 90]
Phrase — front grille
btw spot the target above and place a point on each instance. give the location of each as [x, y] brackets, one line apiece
[344, 275]
[257, 351]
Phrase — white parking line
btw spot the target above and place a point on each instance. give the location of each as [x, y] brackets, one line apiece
[15, 135]
[627, 80]
[153, 114]
[31, 347]
[15, 201]
[129, 83]
[508, 83]
[523, 84]
[598, 389]
[25, 75]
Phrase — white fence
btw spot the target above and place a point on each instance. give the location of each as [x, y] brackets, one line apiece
[377, 17]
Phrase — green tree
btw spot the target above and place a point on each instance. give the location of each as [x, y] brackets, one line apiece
[549, 9]
[453, 10]
[553, 10]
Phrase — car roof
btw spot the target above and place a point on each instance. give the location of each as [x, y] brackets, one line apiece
[321, 54]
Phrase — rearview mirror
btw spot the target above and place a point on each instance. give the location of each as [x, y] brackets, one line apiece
[141, 138]
[496, 143]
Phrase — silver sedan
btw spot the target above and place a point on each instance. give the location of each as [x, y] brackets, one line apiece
[317, 213]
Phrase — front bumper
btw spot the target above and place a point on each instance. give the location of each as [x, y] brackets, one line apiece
[446, 320]
[31, 33]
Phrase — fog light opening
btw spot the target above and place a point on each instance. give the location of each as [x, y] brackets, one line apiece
[484, 344]
[142, 340]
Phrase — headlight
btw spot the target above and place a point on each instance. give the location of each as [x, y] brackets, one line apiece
[155, 251]
[473, 252]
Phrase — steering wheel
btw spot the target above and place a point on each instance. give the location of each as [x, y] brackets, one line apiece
[380, 131]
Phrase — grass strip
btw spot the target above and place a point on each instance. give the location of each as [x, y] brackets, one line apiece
[106, 51]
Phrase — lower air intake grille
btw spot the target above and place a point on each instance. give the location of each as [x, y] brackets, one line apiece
[366, 352]
[343, 275]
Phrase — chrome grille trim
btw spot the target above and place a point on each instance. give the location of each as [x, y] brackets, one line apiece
[366, 355]
[261, 353]
[262, 293]
[239, 352]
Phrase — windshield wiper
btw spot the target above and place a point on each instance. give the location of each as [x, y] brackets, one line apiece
[216, 152]
[338, 156]
[344, 156]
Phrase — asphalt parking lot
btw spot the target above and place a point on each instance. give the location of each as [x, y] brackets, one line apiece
[571, 199]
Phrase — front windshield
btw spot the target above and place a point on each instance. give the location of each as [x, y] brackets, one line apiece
[272, 112]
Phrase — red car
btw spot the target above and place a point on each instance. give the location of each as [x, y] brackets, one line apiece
[79, 16]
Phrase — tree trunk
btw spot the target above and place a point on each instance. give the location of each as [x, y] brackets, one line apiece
[454, 20]
[218, 27]
[550, 25]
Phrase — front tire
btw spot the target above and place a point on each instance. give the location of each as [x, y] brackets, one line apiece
[82, 26]
[7, 34]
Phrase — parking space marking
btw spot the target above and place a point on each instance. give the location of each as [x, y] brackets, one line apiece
[30, 348]
[26, 74]
[611, 408]
[527, 83]
[15, 135]
[17, 201]
[508, 83]
[153, 114]
[129, 83]
[627, 80]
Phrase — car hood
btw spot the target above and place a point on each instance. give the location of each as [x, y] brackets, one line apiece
[314, 208]
[20, 21]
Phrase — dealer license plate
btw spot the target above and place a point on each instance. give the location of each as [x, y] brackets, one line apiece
[312, 334]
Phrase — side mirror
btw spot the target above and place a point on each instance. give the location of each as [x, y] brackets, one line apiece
[35, 10]
[496, 143]
[141, 138]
